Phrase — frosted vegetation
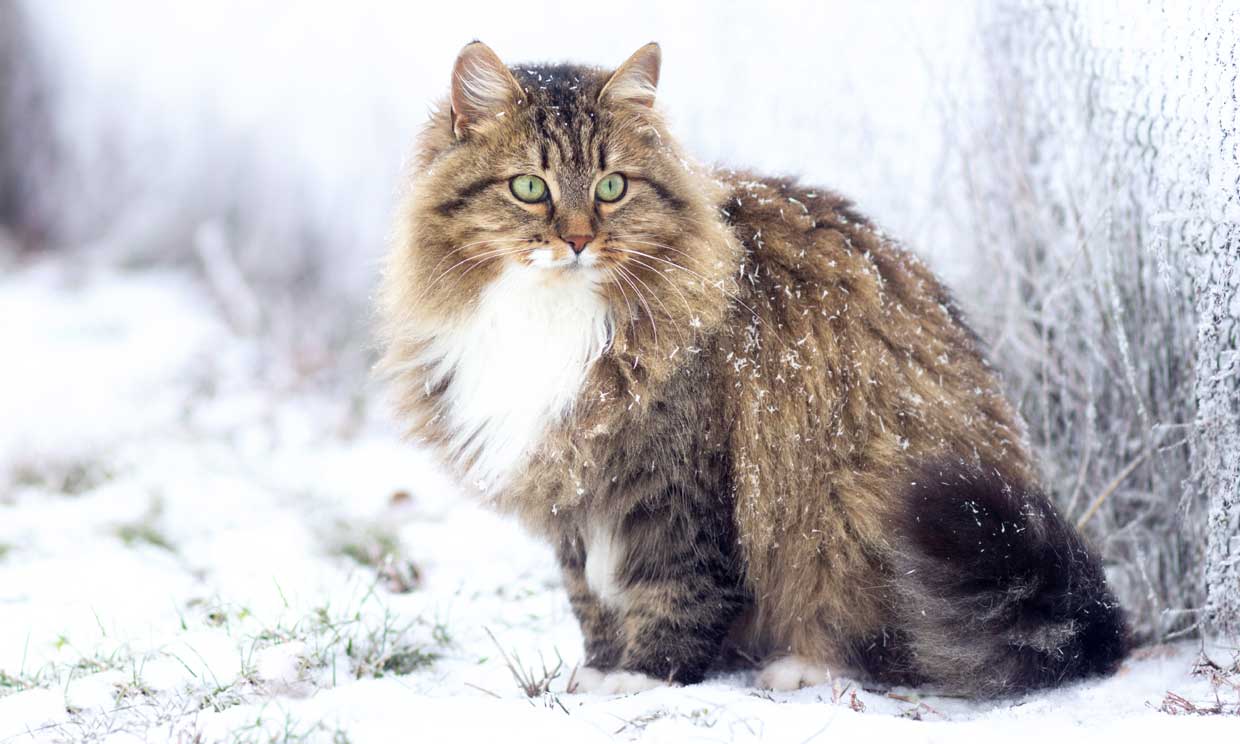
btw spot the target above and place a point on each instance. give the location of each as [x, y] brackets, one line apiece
[1108, 218]
[208, 526]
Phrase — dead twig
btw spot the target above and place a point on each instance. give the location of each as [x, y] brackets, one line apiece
[915, 712]
[528, 680]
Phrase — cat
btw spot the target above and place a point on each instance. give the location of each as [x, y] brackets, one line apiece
[747, 421]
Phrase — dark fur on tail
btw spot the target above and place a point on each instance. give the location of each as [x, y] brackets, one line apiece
[996, 594]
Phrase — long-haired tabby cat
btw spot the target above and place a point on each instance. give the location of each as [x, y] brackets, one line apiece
[744, 417]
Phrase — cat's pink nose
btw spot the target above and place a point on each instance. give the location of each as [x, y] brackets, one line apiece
[577, 242]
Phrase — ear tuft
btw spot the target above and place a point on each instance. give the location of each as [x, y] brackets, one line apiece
[635, 81]
[482, 87]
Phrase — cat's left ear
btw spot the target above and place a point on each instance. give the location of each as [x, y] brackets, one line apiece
[635, 81]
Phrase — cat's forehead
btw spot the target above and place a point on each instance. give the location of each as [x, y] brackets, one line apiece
[563, 87]
[565, 123]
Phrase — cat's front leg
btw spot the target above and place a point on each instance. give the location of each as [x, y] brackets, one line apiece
[669, 571]
[599, 624]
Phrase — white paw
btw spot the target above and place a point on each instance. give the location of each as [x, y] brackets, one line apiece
[792, 673]
[587, 679]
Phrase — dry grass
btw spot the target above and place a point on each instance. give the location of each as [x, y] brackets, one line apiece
[146, 530]
[69, 476]
[533, 683]
[1224, 684]
[378, 548]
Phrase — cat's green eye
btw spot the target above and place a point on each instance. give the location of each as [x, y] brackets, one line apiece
[611, 188]
[529, 189]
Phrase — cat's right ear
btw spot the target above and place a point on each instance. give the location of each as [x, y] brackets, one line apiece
[482, 88]
[635, 81]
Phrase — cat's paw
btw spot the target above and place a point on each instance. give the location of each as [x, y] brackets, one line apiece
[792, 673]
[588, 679]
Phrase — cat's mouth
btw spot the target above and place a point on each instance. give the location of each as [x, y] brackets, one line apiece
[586, 262]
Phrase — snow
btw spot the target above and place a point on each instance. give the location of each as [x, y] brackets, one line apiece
[176, 529]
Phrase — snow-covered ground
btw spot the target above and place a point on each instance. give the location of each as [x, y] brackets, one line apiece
[196, 547]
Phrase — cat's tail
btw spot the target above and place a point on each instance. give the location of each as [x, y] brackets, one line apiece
[995, 593]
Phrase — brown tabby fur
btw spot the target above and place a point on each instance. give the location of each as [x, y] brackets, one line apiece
[786, 361]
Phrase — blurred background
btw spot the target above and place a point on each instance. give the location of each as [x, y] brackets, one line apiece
[194, 198]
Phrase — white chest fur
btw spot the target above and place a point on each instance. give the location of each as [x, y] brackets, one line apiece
[515, 365]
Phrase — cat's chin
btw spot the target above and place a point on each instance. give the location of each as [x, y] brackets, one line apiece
[545, 258]
[571, 272]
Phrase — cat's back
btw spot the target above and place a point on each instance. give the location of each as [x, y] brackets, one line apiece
[840, 329]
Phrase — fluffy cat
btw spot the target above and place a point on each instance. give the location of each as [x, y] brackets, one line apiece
[748, 421]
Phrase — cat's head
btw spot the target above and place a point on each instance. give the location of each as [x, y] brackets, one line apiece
[563, 170]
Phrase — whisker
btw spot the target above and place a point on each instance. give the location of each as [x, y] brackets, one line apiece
[509, 252]
[625, 295]
[675, 265]
[458, 249]
[479, 259]
[485, 254]
[636, 239]
[642, 300]
[754, 313]
[655, 270]
[653, 294]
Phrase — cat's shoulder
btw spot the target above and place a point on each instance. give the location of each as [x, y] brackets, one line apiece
[800, 228]
[784, 201]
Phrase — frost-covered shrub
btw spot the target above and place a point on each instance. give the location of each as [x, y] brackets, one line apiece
[1098, 171]
[8, 41]
[152, 134]
[17, 119]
